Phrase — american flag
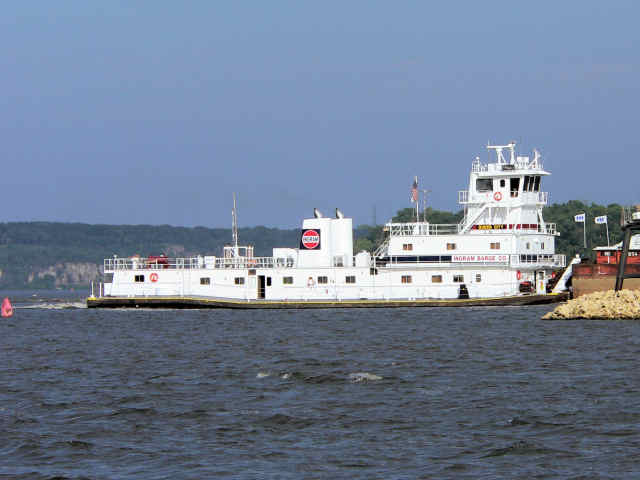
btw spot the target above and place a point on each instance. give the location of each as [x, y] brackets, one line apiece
[414, 190]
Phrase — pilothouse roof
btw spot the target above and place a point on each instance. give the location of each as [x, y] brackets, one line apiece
[508, 165]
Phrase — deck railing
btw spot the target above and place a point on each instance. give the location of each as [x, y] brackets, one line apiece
[422, 228]
[111, 264]
[538, 198]
[556, 260]
[425, 228]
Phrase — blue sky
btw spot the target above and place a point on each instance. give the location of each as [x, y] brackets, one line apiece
[155, 112]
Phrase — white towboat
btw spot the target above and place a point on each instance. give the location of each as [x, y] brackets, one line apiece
[502, 252]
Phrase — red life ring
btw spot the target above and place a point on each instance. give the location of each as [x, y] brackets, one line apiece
[518, 275]
[153, 277]
[497, 196]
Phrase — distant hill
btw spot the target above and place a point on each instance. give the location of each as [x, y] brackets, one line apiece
[48, 255]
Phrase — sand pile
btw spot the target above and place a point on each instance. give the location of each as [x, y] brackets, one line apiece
[604, 305]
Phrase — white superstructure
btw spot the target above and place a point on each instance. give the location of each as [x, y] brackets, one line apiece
[503, 247]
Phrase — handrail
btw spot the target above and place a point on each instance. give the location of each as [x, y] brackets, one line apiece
[421, 228]
[162, 263]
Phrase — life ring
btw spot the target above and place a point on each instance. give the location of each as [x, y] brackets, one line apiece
[153, 277]
[497, 196]
[518, 274]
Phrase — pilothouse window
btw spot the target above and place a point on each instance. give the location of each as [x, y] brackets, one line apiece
[531, 184]
[484, 185]
[536, 185]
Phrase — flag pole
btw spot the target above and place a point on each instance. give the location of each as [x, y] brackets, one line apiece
[607, 224]
[584, 230]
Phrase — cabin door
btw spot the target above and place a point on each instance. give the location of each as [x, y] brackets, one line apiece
[261, 286]
[539, 276]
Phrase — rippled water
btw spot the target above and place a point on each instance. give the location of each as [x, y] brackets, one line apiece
[398, 393]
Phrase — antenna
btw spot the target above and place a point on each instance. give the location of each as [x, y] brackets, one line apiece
[234, 226]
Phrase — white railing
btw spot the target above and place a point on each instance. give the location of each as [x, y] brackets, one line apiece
[478, 167]
[539, 198]
[425, 228]
[539, 260]
[549, 229]
[112, 264]
[421, 228]
[535, 260]
[543, 197]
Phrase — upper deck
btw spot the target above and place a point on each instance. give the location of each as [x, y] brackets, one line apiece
[429, 229]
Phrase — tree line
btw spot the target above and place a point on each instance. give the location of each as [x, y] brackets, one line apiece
[27, 247]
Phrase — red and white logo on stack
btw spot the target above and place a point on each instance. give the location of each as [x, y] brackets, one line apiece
[310, 239]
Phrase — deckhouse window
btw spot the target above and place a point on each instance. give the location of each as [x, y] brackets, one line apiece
[451, 246]
[205, 281]
[406, 279]
[338, 261]
[478, 278]
[287, 280]
[458, 278]
[495, 245]
[484, 185]
[238, 280]
[536, 185]
[350, 279]
[139, 278]
[407, 246]
[322, 280]
[436, 278]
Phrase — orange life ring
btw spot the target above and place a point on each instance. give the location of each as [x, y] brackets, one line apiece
[518, 275]
[153, 277]
[497, 196]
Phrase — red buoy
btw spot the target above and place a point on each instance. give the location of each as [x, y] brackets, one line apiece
[7, 309]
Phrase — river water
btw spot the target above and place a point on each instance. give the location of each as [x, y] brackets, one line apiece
[397, 393]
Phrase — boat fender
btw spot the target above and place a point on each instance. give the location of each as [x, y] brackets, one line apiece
[518, 275]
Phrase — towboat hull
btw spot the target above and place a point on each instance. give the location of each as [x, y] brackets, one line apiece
[202, 302]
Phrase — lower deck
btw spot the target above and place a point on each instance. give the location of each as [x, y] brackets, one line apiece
[203, 302]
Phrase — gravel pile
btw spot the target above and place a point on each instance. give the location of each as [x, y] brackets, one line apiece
[624, 304]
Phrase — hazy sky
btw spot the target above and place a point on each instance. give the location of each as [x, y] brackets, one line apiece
[155, 112]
